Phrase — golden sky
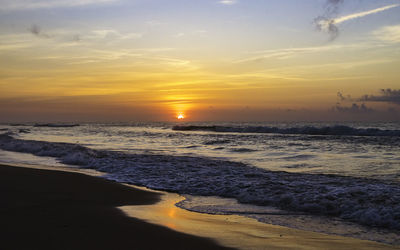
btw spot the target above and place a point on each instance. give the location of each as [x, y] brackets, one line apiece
[119, 60]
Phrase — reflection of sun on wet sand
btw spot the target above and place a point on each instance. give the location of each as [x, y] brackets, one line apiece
[240, 232]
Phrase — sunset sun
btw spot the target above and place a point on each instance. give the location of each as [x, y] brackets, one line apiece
[180, 117]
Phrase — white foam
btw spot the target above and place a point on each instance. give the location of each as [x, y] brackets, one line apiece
[302, 221]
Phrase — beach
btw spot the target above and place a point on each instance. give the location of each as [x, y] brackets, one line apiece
[42, 209]
[52, 209]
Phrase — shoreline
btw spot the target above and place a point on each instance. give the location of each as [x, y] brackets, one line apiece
[242, 232]
[157, 210]
[52, 209]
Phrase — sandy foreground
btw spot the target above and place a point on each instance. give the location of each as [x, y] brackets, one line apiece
[43, 209]
[49, 209]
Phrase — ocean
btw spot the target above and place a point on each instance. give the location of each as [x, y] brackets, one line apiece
[335, 178]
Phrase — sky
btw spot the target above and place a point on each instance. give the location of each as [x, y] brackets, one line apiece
[209, 60]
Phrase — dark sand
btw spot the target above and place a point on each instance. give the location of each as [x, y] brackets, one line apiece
[43, 209]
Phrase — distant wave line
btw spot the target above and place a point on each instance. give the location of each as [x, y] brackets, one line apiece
[307, 130]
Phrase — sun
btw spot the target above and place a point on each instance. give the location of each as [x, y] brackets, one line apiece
[180, 117]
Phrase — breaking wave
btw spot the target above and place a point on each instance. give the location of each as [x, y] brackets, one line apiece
[53, 125]
[307, 130]
[364, 201]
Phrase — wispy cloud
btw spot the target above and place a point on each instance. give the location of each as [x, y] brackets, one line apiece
[59, 39]
[180, 34]
[46, 4]
[290, 52]
[364, 13]
[328, 22]
[228, 2]
[12, 42]
[340, 71]
[13, 46]
[388, 34]
[113, 34]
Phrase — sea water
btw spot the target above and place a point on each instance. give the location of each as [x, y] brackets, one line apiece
[338, 178]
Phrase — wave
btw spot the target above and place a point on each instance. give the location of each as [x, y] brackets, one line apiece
[242, 150]
[217, 142]
[365, 201]
[306, 130]
[300, 157]
[52, 125]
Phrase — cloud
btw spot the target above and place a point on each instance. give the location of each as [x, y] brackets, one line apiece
[37, 31]
[112, 35]
[332, 6]
[59, 39]
[180, 34]
[387, 95]
[76, 38]
[363, 14]
[328, 21]
[342, 97]
[290, 52]
[389, 34]
[102, 34]
[325, 22]
[354, 108]
[228, 2]
[7, 5]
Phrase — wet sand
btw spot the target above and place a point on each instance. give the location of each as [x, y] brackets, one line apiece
[43, 209]
[242, 232]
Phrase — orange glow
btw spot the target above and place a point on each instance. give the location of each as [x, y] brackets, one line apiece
[180, 117]
[171, 212]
